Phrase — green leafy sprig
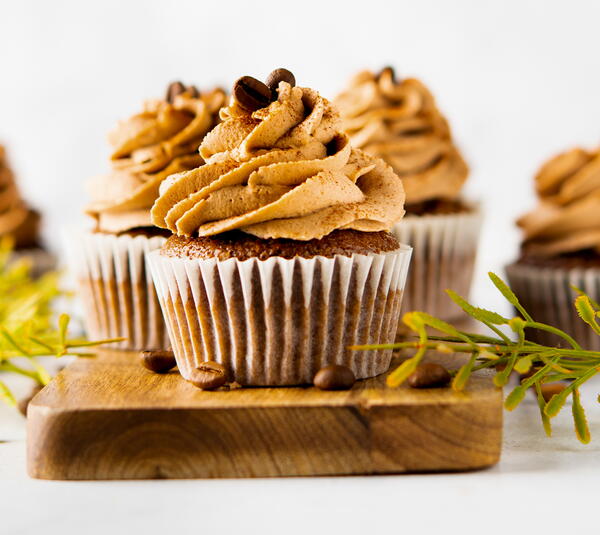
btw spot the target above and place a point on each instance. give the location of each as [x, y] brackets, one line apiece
[508, 350]
[28, 326]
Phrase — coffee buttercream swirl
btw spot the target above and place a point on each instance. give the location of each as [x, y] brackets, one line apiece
[283, 171]
[567, 219]
[400, 122]
[161, 140]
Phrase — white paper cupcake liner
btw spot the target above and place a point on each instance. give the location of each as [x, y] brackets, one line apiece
[547, 294]
[444, 254]
[116, 289]
[277, 321]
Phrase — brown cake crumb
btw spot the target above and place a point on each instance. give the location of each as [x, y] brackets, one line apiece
[437, 207]
[149, 232]
[237, 244]
[588, 258]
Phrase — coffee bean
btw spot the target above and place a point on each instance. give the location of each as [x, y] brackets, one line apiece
[532, 371]
[429, 375]
[551, 389]
[209, 375]
[279, 75]
[158, 361]
[388, 69]
[174, 89]
[251, 93]
[334, 377]
[24, 402]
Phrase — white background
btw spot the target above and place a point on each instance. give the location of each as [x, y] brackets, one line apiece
[518, 80]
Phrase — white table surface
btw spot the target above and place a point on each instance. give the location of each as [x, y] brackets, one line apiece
[539, 482]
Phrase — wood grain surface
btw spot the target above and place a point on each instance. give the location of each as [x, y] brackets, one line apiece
[109, 418]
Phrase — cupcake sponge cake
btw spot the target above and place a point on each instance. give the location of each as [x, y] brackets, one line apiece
[561, 245]
[399, 121]
[281, 255]
[116, 288]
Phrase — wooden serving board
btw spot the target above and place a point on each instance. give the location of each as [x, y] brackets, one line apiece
[109, 418]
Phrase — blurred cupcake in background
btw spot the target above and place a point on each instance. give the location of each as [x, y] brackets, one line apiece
[118, 296]
[561, 246]
[281, 256]
[398, 121]
[20, 222]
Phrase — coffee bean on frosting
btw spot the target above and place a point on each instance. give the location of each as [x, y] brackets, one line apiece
[429, 375]
[209, 375]
[279, 75]
[174, 89]
[334, 377]
[158, 361]
[388, 69]
[251, 93]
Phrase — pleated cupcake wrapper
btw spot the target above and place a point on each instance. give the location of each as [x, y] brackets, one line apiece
[277, 321]
[118, 295]
[444, 254]
[547, 294]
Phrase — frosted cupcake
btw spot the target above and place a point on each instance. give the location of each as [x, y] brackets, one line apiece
[398, 121]
[20, 222]
[116, 288]
[281, 256]
[561, 245]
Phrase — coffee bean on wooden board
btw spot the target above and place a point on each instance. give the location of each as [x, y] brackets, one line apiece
[551, 389]
[532, 371]
[24, 402]
[334, 377]
[251, 93]
[279, 75]
[158, 361]
[429, 375]
[209, 375]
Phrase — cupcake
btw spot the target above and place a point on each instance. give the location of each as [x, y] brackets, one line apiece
[561, 246]
[118, 296]
[281, 256]
[20, 222]
[398, 121]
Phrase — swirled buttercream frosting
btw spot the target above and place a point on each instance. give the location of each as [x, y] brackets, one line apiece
[284, 170]
[567, 218]
[399, 122]
[148, 147]
[16, 218]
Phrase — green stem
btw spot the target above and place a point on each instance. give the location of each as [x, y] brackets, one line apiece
[553, 330]
[492, 327]
[10, 367]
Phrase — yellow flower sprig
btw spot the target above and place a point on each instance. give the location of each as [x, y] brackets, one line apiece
[28, 326]
[508, 350]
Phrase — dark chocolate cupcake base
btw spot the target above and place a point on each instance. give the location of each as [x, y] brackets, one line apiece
[278, 321]
[237, 244]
